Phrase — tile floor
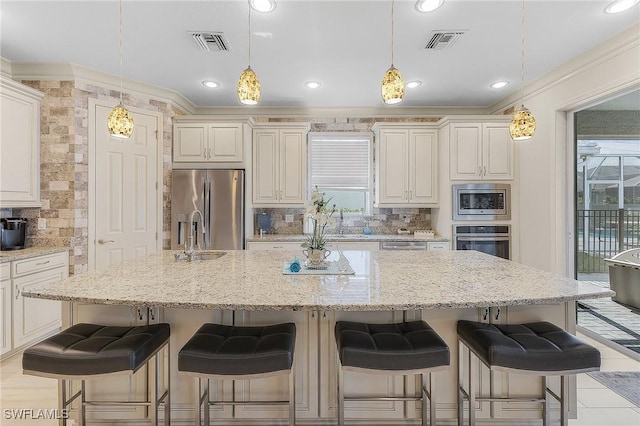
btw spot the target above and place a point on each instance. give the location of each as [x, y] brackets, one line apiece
[597, 405]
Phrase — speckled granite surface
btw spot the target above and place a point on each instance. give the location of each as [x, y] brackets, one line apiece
[11, 255]
[385, 280]
[345, 237]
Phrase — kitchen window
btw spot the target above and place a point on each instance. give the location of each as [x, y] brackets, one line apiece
[340, 166]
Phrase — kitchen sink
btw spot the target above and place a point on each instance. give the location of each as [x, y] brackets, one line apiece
[209, 255]
[199, 255]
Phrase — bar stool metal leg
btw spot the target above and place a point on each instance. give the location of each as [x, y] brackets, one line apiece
[432, 402]
[83, 404]
[423, 394]
[340, 396]
[207, 406]
[546, 408]
[472, 394]
[62, 399]
[292, 399]
[564, 408]
[460, 384]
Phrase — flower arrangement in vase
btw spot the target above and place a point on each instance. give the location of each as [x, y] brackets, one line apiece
[320, 215]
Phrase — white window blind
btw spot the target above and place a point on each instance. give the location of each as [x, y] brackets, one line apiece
[340, 161]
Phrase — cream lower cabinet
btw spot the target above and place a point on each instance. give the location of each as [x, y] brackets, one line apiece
[118, 387]
[279, 165]
[5, 305]
[356, 384]
[331, 245]
[481, 151]
[19, 144]
[406, 165]
[277, 387]
[26, 319]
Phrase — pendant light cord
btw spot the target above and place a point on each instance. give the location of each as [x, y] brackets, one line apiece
[249, 34]
[392, 2]
[522, 59]
[120, 49]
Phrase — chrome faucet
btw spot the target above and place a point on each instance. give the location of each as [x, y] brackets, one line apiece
[189, 249]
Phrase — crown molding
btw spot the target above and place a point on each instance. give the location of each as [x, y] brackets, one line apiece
[5, 67]
[358, 112]
[84, 75]
[624, 43]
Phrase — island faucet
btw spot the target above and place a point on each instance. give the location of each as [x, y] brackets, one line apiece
[189, 249]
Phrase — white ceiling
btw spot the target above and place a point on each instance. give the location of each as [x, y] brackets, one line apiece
[343, 44]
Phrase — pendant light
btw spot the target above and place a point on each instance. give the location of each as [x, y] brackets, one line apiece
[248, 84]
[392, 82]
[523, 124]
[119, 121]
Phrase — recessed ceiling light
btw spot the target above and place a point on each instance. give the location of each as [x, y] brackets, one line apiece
[210, 84]
[620, 6]
[413, 84]
[499, 84]
[264, 6]
[313, 84]
[428, 5]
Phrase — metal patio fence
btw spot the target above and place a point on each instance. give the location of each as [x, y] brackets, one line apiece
[604, 233]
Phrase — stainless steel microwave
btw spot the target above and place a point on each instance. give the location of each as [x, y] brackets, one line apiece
[482, 201]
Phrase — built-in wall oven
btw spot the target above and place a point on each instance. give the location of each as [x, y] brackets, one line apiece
[490, 239]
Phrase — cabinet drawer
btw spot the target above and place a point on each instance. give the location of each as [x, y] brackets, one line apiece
[252, 245]
[5, 271]
[438, 246]
[40, 263]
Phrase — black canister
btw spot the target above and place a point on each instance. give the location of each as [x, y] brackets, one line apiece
[14, 233]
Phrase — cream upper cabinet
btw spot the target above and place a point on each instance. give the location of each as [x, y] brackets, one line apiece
[19, 145]
[207, 142]
[406, 165]
[279, 165]
[481, 151]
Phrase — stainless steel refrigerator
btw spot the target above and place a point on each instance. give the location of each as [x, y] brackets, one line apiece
[219, 196]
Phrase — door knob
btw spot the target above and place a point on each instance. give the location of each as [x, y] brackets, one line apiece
[101, 241]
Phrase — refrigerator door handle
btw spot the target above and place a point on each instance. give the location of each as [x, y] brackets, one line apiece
[207, 216]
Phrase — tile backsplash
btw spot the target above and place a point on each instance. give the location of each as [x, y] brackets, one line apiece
[382, 221]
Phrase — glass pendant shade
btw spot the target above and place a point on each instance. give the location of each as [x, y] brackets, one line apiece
[248, 87]
[523, 125]
[120, 122]
[392, 86]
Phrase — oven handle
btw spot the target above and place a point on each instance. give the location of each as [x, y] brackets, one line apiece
[482, 238]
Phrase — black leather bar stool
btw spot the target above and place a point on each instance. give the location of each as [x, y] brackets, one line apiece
[405, 348]
[538, 348]
[90, 351]
[224, 352]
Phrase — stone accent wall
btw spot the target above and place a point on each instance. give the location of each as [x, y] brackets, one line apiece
[382, 221]
[64, 167]
[57, 169]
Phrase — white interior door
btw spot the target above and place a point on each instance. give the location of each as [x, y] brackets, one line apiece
[126, 190]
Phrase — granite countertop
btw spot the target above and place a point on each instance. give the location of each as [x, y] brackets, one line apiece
[383, 280]
[12, 255]
[268, 238]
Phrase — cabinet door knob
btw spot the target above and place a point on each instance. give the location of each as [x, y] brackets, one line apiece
[17, 292]
[479, 170]
[101, 241]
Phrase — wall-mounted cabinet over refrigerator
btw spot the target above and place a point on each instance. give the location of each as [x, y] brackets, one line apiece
[219, 196]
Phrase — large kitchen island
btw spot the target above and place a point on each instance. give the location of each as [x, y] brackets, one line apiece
[249, 287]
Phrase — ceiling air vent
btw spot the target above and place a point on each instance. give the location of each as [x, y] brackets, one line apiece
[211, 41]
[443, 39]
